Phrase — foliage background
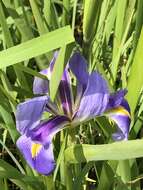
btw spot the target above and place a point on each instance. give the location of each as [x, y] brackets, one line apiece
[109, 34]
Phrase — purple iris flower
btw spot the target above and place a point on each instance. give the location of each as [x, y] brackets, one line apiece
[92, 99]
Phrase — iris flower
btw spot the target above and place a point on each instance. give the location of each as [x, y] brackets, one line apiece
[92, 99]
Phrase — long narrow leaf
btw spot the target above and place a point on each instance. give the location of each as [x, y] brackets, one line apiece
[36, 46]
[115, 151]
[135, 82]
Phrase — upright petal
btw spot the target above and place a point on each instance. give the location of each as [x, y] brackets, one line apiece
[121, 116]
[78, 66]
[65, 93]
[41, 86]
[44, 133]
[95, 98]
[37, 156]
[29, 113]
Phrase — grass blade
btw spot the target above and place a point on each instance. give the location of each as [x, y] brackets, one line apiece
[135, 82]
[36, 46]
[61, 61]
[115, 151]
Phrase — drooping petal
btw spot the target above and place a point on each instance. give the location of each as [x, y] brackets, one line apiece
[29, 113]
[95, 98]
[41, 86]
[116, 99]
[121, 116]
[65, 93]
[45, 131]
[125, 105]
[37, 156]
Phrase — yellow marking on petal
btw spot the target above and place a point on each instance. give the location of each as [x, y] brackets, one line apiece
[119, 110]
[35, 149]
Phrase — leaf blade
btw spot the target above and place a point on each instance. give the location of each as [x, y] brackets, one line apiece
[36, 46]
[114, 151]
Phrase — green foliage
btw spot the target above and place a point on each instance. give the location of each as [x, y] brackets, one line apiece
[135, 82]
[113, 151]
[36, 47]
[109, 33]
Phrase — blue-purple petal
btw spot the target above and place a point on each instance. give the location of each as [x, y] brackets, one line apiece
[125, 105]
[28, 114]
[116, 99]
[78, 66]
[37, 156]
[45, 131]
[94, 100]
[65, 93]
[121, 116]
[41, 86]
[123, 123]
